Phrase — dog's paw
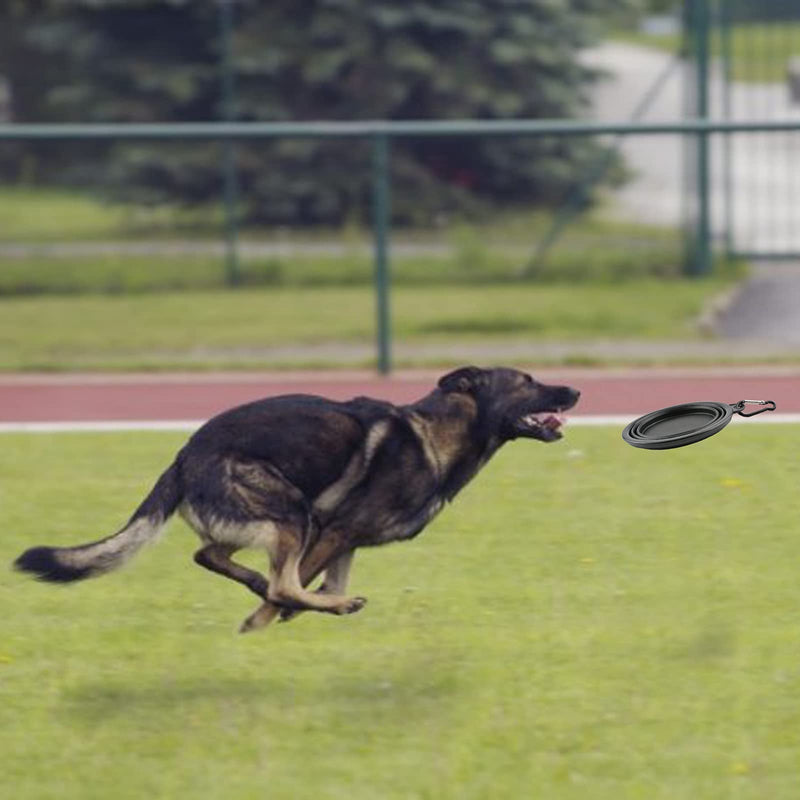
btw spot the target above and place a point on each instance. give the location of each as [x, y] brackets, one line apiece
[248, 625]
[351, 605]
[260, 618]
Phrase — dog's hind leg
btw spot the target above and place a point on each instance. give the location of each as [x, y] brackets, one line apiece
[286, 586]
[337, 573]
[217, 558]
[322, 554]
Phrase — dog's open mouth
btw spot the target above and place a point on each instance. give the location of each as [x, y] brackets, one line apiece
[542, 424]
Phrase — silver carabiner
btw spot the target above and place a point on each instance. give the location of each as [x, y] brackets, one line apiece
[738, 408]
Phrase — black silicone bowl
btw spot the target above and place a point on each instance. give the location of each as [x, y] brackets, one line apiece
[687, 423]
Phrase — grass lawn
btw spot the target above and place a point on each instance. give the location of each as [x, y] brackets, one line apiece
[587, 620]
[494, 251]
[759, 51]
[582, 258]
[44, 214]
[40, 214]
[237, 328]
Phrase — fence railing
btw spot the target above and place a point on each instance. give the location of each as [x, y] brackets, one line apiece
[370, 128]
[381, 132]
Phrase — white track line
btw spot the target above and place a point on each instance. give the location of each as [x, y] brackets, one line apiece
[101, 426]
[189, 425]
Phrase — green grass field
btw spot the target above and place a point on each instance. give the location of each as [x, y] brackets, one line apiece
[40, 214]
[497, 250]
[51, 214]
[585, 260]
[760, 52]
[237, 329]
[587, 620]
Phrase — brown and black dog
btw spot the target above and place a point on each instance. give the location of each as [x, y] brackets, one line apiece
[310, 480]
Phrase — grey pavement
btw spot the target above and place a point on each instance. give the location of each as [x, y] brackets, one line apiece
[247, 249]
[764, 178]
[653, 194]
[766, 310]
[635, 352]
[764, 183]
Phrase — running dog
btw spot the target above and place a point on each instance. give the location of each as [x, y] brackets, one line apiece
[310, 480]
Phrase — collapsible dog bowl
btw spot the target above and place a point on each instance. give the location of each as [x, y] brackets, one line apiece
[687, 423]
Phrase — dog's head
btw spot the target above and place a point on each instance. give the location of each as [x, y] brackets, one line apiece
[511, 403]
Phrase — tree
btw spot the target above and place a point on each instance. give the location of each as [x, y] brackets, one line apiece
[156, 60]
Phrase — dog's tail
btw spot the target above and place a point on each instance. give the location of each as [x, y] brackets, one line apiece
[65, 564]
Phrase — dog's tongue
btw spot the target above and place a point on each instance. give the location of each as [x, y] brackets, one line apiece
[550, 420]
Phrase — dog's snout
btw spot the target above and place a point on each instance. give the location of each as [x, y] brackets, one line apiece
[571, 395]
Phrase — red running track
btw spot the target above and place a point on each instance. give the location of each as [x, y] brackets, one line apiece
[70, 398]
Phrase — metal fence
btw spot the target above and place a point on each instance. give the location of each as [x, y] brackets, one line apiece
[745, 66]
[740, 136]
[382, 133]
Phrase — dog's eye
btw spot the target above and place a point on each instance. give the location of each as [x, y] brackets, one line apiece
[528, 379]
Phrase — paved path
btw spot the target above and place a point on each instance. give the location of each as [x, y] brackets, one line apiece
[40, 398]
[517, 350]
[766, 309]
[765, 184]
[764, 209]
[272, 248]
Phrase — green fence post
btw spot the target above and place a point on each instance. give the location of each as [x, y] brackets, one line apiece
[701, 254]
[726, 47]
[230, 178]
[380, 222]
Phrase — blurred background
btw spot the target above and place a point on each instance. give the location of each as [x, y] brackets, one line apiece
[123, 253]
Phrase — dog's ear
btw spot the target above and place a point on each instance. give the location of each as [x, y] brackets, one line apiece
[464, 379]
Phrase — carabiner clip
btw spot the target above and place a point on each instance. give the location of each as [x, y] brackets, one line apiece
[739, 407]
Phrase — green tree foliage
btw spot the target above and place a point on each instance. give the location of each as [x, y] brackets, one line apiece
[156, 60]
